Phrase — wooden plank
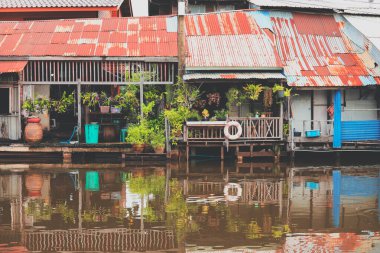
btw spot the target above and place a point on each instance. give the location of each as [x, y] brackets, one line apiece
[256, 154]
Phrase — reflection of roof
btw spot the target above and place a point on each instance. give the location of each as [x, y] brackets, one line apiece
[145, 36]
[58, 3]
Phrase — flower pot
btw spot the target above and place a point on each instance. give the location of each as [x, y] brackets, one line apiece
[159, 150]
[33, 130]
[138, 148]
[33, 184]
[280, 93]
[104, 109]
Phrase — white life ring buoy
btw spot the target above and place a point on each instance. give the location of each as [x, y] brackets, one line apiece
[227, 130]
[236, 188]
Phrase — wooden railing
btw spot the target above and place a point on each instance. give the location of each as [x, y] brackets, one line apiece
[253, 129]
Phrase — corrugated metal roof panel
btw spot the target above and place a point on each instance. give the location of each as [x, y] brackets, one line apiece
[233, 75]
[143, 37]
[229, 39]
[12, 66]
[348, 6]
[315, 52]
[55, 3]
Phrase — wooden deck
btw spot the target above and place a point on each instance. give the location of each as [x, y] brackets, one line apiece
[67, 150]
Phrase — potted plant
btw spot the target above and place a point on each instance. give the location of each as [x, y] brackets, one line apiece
[32, 107]
[138, 136]
[221, 114]
[157, 141]
[90, 99]
[253, 91]
[279, 90]
[205, 114]
[104, 103]
[115, 106]
[63, 104]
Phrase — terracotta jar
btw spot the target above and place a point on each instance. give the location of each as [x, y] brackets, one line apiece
[138, 148]
[33, 130]
[159, 150]
[33, 184]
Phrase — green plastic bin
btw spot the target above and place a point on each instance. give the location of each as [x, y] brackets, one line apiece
[123, 134]
[92, 133]
[92, 181]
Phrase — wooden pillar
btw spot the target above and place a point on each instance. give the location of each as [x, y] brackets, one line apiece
[239, 157]
[181, 38]
[222, 153]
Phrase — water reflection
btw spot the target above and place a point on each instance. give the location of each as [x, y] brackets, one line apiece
[156, 208]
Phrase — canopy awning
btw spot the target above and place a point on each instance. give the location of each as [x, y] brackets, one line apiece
[12, 66]
[230, 75]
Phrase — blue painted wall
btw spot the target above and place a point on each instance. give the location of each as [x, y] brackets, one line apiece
[337, 140]
[360, 130]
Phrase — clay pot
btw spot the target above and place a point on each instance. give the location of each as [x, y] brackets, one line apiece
[33, 184]
[104, 108]
[33, 130]
[138, 148]
[159, 150]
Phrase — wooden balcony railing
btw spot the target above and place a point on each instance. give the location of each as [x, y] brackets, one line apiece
[253, 129]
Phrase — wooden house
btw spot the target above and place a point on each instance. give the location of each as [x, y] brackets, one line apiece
[49, 57]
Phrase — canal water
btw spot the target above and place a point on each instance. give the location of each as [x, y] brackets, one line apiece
[210, 207]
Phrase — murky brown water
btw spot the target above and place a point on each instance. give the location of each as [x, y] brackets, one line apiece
[107, 208]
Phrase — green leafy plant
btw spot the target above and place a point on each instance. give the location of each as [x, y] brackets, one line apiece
[185, 95]
[220, 114]
[127, 100]
[138, 133]
[63, 104]
[157, 139]
[36, 106]
[234, 97]
[253, 91]
[288, 92]
[90, 99]
[104, 100]
[176, 118]
[277, 87]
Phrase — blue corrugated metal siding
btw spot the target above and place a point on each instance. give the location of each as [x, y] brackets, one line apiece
[360, 130]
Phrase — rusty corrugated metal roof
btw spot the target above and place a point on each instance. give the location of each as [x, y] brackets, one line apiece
[59, 3]
[131, 37]
[12, 66]
[229, 39]
[315, 52]
[232, 75]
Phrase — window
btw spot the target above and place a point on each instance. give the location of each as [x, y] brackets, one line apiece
[4, 101]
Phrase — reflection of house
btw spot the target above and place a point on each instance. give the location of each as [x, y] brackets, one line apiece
[52, 9]
[321, 201]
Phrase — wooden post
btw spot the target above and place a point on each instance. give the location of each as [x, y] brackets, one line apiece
[239, 157]
[181, 38]
[79, 109]
[222, 153]
[141, 94]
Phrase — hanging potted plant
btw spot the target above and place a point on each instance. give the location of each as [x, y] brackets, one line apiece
[279, 90]
[205, 115]
[104, 103]
[253, 91]
[32, 107]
